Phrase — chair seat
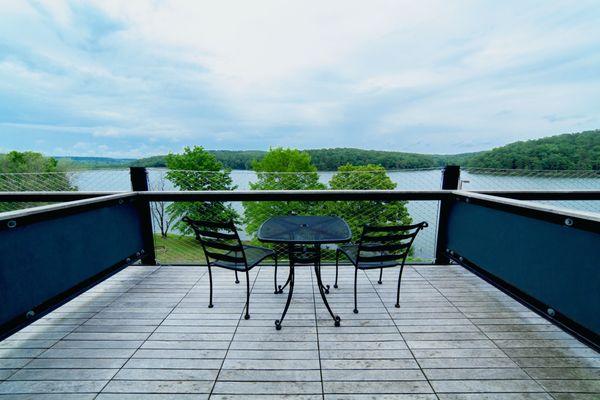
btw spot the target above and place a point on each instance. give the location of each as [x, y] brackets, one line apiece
[254, 255]
[351, 252]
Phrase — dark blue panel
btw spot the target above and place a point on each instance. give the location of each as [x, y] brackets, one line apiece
[43, 259]
[554, 264]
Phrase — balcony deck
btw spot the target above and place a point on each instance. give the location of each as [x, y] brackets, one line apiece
[147, 330]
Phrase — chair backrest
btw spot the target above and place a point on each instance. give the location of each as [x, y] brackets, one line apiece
[220, 241]
[387, 244]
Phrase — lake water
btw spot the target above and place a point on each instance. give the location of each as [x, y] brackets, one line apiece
[118, 180]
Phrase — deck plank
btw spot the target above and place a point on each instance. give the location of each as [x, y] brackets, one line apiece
[147, 331]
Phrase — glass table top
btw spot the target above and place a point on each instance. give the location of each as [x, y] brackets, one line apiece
[304, 229]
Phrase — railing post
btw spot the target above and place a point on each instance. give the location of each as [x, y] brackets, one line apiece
[139, 183]
[450, 180]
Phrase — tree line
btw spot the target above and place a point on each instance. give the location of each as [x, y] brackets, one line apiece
[576, 151]
[326, 159]
[30, 171]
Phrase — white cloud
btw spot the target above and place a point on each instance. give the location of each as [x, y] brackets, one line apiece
[257, 73]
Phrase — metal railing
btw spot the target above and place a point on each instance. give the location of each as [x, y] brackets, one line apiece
[477, 179]
[175, 245]
[486, 179]
[252, 208]
[544, 256]
[472, 179]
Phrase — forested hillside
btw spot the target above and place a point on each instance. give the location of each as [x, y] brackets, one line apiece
[562, 152]
[70, 163]
[576, 151]
[232, 159]
[330, 159]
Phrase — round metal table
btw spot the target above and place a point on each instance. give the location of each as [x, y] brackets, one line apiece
[304, 236]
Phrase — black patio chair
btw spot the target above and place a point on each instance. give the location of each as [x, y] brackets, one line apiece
[379, 247]
[223, 248]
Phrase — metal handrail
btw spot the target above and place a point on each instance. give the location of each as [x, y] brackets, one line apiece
[241, 195]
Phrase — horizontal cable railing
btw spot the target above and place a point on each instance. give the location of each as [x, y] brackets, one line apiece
[410, 179]
[178, 247]
[79, 180]
[305, 191]
[473, 179]
[485, 179]
[175, 244]
[490, 178]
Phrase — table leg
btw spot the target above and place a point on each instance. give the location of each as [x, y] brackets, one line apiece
[321, 287]
[285, 284]
[325, 287]
[289, 299]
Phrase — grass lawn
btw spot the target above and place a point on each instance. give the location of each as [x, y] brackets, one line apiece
[178, 249]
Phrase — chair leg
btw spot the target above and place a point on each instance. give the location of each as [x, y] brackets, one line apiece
[210, 303]
[247, 316]
[289, 299]
[237, 280]
[398, 292]
[355, 278]
[337, 260]
[380, 275]
[275, 275]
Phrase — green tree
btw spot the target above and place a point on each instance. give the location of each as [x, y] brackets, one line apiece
[282, 169]
[29, 171]
[197, 169]
[27, 162]
[359, 213]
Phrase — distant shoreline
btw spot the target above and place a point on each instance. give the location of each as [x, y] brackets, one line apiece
[572, 151]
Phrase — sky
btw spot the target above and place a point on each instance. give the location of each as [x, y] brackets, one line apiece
[140, 78]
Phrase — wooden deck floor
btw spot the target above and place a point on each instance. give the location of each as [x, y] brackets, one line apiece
[147, 330]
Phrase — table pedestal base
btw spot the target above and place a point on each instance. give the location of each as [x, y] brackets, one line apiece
[287, 282]
[323, 289]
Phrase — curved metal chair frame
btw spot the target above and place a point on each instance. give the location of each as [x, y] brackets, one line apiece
[223, 248]
[379, 247]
